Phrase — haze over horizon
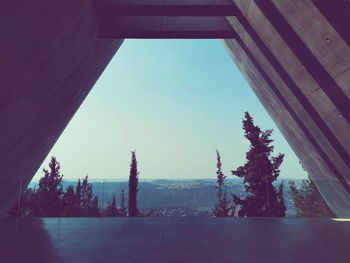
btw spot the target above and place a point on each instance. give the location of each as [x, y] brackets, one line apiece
[175, 102]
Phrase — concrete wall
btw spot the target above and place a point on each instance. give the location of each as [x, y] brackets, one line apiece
[50, 57]
[296, 57]
[295, 54]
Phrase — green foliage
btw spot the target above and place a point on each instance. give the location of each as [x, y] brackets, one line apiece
[81, 202]
[94, 210]
[133, 181]
[49, 200]
[69, 202]
[111, 209]
[308, 200]
[223, 207]
[259, 173]
[123, 208]
[87, 200]
[50, 191]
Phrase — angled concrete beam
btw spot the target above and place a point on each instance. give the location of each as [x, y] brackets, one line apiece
[164, 8]
[165, 27]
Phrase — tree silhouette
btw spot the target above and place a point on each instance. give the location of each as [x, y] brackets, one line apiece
[133, 181]
[259, 173]
[94, 209]
[308, 201]
[82, 202]
[69, 202]
[49, 200]
[223, 207]
[111, 209]
[86, 197]
[49, 193]
[78, 194]
[122, 208]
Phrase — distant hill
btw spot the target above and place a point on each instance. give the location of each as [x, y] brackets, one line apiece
[198, 195]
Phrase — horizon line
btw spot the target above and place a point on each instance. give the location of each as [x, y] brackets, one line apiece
[153, 179]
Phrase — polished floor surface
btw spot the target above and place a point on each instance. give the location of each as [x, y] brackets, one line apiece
[183, 240]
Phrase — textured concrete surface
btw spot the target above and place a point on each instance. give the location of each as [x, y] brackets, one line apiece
[164, 8]
[296, 57]
[164, 19]
[155, 27]
[174, 240]
[50, 57]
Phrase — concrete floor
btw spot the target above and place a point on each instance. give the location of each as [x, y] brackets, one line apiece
[173, 240]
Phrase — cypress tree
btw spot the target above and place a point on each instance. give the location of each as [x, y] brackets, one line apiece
[122, 209]
[259, 173]
[86, 197]
[133, 181]
[49, 193]
[77, 211]
[222, 208]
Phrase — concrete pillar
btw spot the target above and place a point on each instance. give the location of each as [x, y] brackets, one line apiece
[295, 55]
[50, 57]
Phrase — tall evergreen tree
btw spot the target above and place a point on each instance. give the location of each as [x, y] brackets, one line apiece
[133, 181]
[69, 202]
[111, 209]
[50, 191]
[259, 173]
[50, 199]
[308, 201]
[86, 197]
[122, 208]
[81, 202]
[223, 207]
[78, 197]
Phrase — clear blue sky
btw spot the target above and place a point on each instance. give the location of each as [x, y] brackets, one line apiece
[174, 102]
